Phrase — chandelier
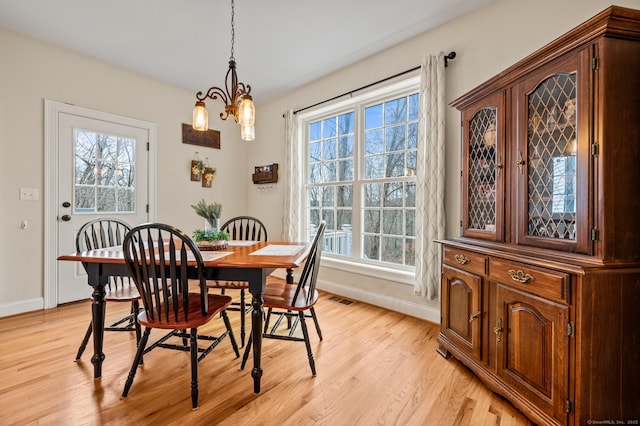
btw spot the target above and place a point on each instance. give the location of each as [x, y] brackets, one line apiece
[236, 97]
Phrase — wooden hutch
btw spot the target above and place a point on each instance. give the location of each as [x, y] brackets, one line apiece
[541, 293]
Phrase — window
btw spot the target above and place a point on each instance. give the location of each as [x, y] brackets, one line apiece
[361, 166]
[104, 173]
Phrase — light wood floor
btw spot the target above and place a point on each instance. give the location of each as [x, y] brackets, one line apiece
[375, 367]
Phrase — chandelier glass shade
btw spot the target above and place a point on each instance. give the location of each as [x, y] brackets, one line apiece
[236, 97]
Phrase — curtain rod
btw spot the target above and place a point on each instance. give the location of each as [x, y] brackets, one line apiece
[448, 57]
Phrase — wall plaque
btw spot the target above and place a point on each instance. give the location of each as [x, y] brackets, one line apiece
[208, 138]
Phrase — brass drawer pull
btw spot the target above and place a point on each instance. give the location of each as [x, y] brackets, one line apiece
[463, 260]
[520, 276]
[474, 316]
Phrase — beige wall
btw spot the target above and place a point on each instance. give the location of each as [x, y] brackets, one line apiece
[486, 42]
[30, 71]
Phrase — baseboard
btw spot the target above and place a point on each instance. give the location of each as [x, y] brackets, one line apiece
[21, 307]
[405, 307]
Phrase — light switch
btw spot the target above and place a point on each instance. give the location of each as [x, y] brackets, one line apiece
[29, 194]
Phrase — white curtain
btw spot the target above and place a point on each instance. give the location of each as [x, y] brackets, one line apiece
[430, 219]
[291, 179]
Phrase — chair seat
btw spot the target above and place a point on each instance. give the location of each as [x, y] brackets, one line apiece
[122, 294]
[280, 296]
[217, 303]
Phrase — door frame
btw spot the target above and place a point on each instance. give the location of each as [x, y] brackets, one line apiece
[52, 109]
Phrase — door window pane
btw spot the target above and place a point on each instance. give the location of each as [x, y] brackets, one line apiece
[104, 174]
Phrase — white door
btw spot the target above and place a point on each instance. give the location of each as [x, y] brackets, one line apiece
[103, 172]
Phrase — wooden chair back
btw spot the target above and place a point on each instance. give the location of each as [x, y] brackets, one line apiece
[102, 233]
[309, 275]
[246, 228]
[160, 259]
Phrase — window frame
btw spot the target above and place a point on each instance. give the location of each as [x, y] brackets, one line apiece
[357, 103]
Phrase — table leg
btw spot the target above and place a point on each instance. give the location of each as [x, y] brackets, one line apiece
[97, 317]
[256, 325]
[257, 279]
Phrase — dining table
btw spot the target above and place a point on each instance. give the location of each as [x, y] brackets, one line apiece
[249, 261]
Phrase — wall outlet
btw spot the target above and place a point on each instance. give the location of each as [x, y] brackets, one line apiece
[30, 194]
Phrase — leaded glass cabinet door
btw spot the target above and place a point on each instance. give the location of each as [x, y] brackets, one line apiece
[483, 171]
[551, 160]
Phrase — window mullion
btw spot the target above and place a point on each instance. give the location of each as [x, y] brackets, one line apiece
[358, 158]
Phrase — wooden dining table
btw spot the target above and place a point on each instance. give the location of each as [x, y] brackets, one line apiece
[242, 261]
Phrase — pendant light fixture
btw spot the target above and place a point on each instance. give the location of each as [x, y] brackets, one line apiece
[236, 97]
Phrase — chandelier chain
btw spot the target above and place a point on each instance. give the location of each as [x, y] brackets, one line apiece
[233, 31]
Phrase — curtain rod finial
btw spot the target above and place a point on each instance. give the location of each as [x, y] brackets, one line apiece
[451, 55]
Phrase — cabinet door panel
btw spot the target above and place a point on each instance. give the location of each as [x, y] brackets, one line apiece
[461, 309]
[483, 169]
[552, 158]
[532, 348]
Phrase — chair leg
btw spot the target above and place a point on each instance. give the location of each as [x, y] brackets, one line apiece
[247, 349]
[307, 343]
[227, 324]
[133, 318]
[266, 321]
[243, 307]
[194, 368]
[85, 340]
[315, 320]
[185, 343]
[136, 361]
[290, 282]
[135, 307]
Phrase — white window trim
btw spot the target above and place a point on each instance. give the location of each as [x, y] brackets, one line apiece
[397, 273]
[394, 274]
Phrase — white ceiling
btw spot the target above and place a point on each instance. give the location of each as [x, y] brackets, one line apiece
[279, 44]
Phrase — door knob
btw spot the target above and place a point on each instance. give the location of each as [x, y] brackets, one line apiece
[66, 218]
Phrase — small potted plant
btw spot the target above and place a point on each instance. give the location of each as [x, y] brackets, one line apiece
[211, 214]
[211, 240]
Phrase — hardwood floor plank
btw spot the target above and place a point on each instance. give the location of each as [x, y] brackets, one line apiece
[375, 367]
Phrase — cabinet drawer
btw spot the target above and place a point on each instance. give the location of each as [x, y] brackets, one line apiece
[543, 282]
[466, 260]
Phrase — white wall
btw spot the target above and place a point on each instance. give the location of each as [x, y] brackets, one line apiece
[486, 42]
[31, 71]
